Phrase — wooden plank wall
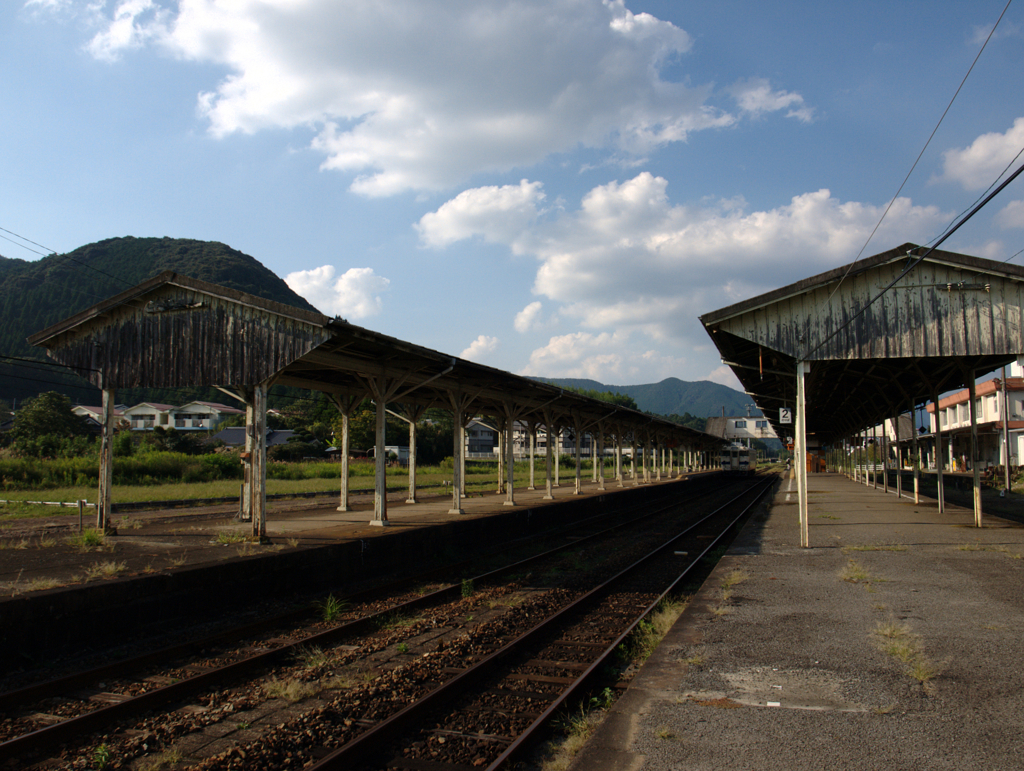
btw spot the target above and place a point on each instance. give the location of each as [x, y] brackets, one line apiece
[184, 337]
[919, 317]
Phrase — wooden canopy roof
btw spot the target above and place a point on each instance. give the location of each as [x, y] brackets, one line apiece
[176, 331]
[874, 350]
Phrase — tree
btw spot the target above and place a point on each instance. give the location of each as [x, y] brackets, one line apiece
[45, 424]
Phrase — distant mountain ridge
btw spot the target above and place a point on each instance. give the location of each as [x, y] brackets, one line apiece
[36, 294]
[672, 396]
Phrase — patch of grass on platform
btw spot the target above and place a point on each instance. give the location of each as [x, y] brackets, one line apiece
[897, 641]
[103, 570]
[855, 573]
[876, 547]
[87, 541]
[1005, 550]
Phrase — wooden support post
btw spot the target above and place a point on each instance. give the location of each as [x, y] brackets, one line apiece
[346, 405]
[510, 496]
[802, 368]
[531, 427]
[259, 463]
[975, 461]
[558, 453]
[548, 450]
[885, 458]
[940, 487]
[578, 430]
[632, 459]
[460, 404]
[104, 494]
[600, 456]
[246, 394]
[618, 455]
[915, 450]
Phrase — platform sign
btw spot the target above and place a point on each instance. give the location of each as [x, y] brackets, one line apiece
[785, 415]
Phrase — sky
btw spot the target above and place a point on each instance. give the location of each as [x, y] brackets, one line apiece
[556, 188]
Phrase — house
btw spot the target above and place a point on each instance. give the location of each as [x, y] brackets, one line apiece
[149, 415]
[953, 416]
[94, 415]
[194, 416]
[203, 415]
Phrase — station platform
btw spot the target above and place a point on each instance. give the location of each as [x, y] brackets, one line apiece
[893, 642]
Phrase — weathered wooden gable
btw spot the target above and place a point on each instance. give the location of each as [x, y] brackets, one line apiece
[180, 336]
[936, 310]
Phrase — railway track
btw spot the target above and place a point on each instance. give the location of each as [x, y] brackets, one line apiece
[111, 713]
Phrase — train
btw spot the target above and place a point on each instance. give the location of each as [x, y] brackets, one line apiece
[737, 459]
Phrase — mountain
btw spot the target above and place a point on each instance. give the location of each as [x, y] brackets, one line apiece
[34, 295]
[672, 396]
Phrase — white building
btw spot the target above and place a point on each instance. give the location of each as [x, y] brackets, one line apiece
[194, 416]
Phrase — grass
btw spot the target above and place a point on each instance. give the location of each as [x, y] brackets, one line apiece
[42, 584]
[291, 690]
[230, 538]
[1000, 549]
[650, 631]
[331, 607]
[576, 727]
[467, 587]
[102, 570]
[313, 657]
[855, 573]
[86, 541]
[320, 478]
[881, 547]
[165, 760]
[897, 641]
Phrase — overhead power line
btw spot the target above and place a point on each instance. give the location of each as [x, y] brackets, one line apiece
[920, 154]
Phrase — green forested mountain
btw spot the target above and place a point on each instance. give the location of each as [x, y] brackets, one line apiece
[34, 295]
[672, 396]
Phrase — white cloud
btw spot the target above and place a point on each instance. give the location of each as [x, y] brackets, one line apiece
[353, 295]
[755, 96]
[498, 214]
[479, 348]
[725, 376]
[580, 355]
[422, 94]
[630, 262]
[977, 166]
[134, 24]
[528, 318]
[1006, 29]
[1011, 215]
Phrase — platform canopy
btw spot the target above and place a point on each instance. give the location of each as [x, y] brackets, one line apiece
[875, 336]
[174, 331]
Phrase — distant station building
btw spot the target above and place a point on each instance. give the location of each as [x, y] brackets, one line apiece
[741, 429]
[953, 416]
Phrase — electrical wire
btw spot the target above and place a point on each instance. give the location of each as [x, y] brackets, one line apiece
[917, 261]
[919, 155]
[54, 253]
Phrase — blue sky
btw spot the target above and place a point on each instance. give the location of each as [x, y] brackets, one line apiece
[552, 187]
